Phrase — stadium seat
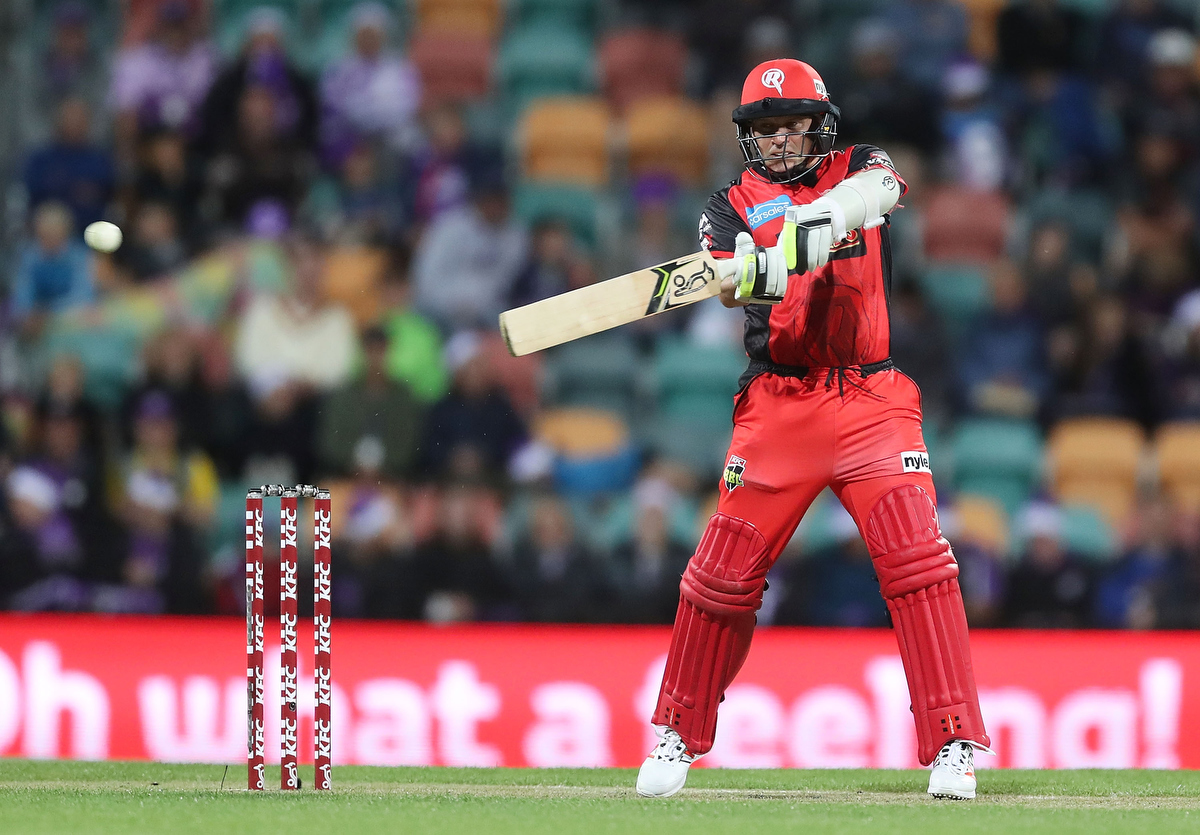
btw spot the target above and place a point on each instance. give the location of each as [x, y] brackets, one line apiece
[697, 383]
[957, 292]
[595, 371]
[109, 357]
[540, 61]
[352, 279]
[578, 207]
[997, 458]
[581, 432]
[453, 66]
[601, 474]
[231, 28]
[1177, 448]
[565, 140]
[1095, 462]
[964, 226]
[581, 14]
[1088, 214]
[977, 519]
[981, 23]
[668, 134]
[641, 63]
[479, 18]
[520, 377]
[1084, 532]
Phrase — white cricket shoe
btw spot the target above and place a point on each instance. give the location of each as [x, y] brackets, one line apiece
[953, 774]
[665, 771]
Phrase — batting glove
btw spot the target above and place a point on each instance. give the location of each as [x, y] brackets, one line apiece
[759, 273]
[809, 231]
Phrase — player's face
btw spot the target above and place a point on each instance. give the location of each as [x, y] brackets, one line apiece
[780, 140]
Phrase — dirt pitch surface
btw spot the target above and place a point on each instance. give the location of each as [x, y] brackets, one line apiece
[58, 797]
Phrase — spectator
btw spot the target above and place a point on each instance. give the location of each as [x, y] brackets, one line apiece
[1040, 35]
[471, 433]
[371, 94]
[163, 82]
[1125, 590]
[71, 169]
[1177, 595]
[156, 565]
[170, 368]
[259, 165]
[1049, 587]
[931, 34]
[879, 105]
[43, 561]
[376, 575]
[70, 68]
[1112, 374]
[439, 172]
[414, 354]
[374, 415]
[553, 577]
[1001, 367]
[228, 413]
[920, 349]
[289, 348]
[1181, 360]
[263, 66]
[1121, 58]
[1171, 99]
[158, 456]
[553, 255]
[456, 566]
[655, 236]
[468, 259]
[647, 568]
[75, 467]
[975, 146]
[170, 175]
[981, 569]
[367, 207]
[155, 247]
[54, 273]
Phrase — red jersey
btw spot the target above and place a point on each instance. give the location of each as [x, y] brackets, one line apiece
[835, 316]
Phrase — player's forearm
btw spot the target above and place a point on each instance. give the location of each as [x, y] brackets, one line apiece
[862, 199]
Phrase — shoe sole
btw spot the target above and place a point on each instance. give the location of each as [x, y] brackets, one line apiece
[948, 794]
[641, 793]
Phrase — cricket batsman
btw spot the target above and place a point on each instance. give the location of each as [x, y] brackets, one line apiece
[804, 234]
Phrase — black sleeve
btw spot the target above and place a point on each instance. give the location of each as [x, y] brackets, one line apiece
[720, 224]
[866, 157]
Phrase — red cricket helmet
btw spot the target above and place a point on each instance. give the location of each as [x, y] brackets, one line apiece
[786, 87]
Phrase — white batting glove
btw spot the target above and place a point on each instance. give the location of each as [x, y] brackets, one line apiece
[759, 273]
[809, 231]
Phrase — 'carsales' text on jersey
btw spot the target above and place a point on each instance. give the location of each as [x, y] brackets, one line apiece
[835, 316]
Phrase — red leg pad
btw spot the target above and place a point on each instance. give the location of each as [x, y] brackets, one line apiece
[919, 579]
[720, 592]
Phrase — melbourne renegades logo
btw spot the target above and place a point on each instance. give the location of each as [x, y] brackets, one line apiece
[733, 473]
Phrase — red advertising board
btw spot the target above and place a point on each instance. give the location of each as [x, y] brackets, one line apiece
[174, 689]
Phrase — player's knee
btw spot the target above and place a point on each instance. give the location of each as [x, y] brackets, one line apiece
[906, 542]
[726, 574]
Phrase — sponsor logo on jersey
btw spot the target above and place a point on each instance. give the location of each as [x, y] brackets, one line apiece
[764, 212]
[820, 88]
[915, 462]
[733, 472]
[706, 231]
[773, 78]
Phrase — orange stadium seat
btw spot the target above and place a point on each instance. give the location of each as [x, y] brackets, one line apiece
[668, 134]
[640, 63]
[982, 16]
[581, 432]
[453, 66]
[565, 140]
[980, 520]
[352, 278]
[1177, 447]
[965, 226]
[474, 17]
[1095, 462]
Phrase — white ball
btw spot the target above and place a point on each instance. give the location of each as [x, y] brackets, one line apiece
[103, 236]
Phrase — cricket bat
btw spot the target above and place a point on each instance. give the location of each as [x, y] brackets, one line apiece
[607, 304]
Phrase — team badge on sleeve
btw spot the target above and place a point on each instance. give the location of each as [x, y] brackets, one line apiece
[733, 472]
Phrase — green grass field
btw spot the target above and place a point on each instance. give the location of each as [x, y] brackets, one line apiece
[61, 797]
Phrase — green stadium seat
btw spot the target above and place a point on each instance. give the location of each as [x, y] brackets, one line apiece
[580, 14]
[578, 207]
[697, 383]
[1084, 532]
[538, 61]
[1087, 213]
[997, 458]
[109, 357]
[595, 371]
[957, 293]
[700, 447]
[231, 26]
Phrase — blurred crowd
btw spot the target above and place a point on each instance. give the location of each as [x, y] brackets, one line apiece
[326, 205]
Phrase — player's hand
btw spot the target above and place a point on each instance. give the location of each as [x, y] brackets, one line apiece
[809, 232]
[756, 274]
